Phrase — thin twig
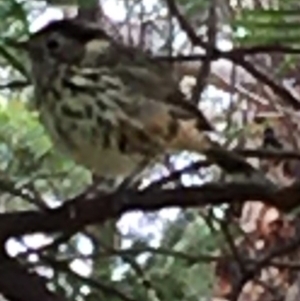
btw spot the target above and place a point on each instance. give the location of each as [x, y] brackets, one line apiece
[204, 69]
[14, 85]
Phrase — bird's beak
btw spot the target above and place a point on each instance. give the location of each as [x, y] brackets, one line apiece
[19, 45]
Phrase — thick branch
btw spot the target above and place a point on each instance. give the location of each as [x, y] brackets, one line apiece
[77, 213]
[17, 284]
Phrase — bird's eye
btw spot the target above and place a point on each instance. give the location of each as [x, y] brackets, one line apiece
[52, 44]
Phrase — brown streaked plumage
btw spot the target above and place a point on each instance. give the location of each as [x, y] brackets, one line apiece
[111, 107]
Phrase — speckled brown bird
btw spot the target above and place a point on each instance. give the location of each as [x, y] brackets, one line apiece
[111, 107]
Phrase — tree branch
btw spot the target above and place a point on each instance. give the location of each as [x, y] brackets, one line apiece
[16, 283]
[204, 70]
[79, 212]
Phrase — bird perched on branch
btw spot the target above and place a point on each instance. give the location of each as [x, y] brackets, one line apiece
[111, 107]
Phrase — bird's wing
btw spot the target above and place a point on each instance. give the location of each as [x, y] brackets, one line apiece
[155, 80]
[158, 85]
[156, 112]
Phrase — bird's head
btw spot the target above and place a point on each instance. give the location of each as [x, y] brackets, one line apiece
[64, 42]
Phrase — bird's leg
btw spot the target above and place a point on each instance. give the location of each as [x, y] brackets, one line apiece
[133, 180]
[105, 184]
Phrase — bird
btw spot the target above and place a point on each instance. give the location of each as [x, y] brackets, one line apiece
[111, 107]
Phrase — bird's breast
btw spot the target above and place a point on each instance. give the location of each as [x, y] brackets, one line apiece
[81, 127]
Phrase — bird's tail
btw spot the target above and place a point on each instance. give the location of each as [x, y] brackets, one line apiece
[234, 165]
[190, 138]
[228, 161]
